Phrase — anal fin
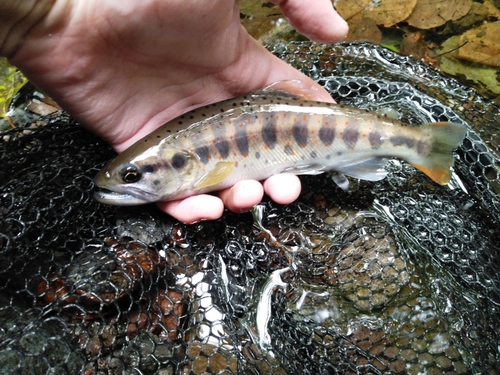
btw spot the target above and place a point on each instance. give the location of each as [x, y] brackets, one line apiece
[371, 169]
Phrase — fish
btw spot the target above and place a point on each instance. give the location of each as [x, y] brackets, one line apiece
[270, 131]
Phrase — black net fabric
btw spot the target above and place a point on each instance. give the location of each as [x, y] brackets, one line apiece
[399, 276]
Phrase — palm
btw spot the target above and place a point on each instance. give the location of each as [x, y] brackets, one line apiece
[125, 68]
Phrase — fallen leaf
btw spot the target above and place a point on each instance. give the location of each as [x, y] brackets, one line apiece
[483, 78]
[257, 8]
[364, 29]
[415, 45]
[428, 14]
[384, 12]
[481, 45]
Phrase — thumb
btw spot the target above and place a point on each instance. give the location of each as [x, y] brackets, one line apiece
[316, 19]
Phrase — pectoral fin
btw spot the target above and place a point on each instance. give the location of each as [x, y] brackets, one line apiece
[221, 170]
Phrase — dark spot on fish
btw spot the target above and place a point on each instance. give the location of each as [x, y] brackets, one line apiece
[339, 153]
[350, 137]
[314, 155]
[300, 134]
[326, 135]
[421, 147]
[222, 146]
[178, 161]
[148, 168]
[191, 117]
[257, 155]
[222, 109]
[203, 115]
[202, 153]
[241, 140]
[375, 139]
[158, 136]
[288, 150]
[169, 131]
[180, 122]
[328, 157]
[269, 132]
[156, 182]
[400, 140]
[235, 104]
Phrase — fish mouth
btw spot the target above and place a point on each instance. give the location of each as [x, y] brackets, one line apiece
[118, 199]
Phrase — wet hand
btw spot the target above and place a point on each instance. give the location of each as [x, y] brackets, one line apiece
[123, 69]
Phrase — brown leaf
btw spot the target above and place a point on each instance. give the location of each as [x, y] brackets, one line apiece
[363, 29]
[433, 13]
[481, 45]
[415, 45]
[384, 12]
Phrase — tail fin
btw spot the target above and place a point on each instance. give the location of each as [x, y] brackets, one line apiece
[446, 137]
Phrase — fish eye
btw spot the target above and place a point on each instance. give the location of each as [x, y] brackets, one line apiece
[131, 173]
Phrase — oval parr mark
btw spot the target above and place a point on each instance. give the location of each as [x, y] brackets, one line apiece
[300, 134]
[222, 146]
[203, 153]
[269, 132]
[241, 141]
[400, 140]
[326, 135]
[422, 148]
[350, 137]
[375, 139]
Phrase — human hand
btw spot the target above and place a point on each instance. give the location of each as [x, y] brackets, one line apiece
[125, 68]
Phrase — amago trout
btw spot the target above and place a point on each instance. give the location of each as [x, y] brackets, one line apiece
[265, 133]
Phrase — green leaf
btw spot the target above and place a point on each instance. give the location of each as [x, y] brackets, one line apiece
[11, 80]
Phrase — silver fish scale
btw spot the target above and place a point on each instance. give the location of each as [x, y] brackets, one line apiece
[395, 277]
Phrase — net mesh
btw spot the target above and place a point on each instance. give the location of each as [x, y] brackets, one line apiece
[395, 277]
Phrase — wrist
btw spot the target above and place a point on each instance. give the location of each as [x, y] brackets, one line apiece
[18, 18]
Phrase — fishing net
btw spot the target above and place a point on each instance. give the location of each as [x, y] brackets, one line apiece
[399, 276]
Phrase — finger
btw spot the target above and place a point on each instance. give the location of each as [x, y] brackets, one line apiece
[283, 188]
[242, 196]
[194, 209]
[315, 19]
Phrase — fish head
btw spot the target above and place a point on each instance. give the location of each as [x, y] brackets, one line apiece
[152, 176]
